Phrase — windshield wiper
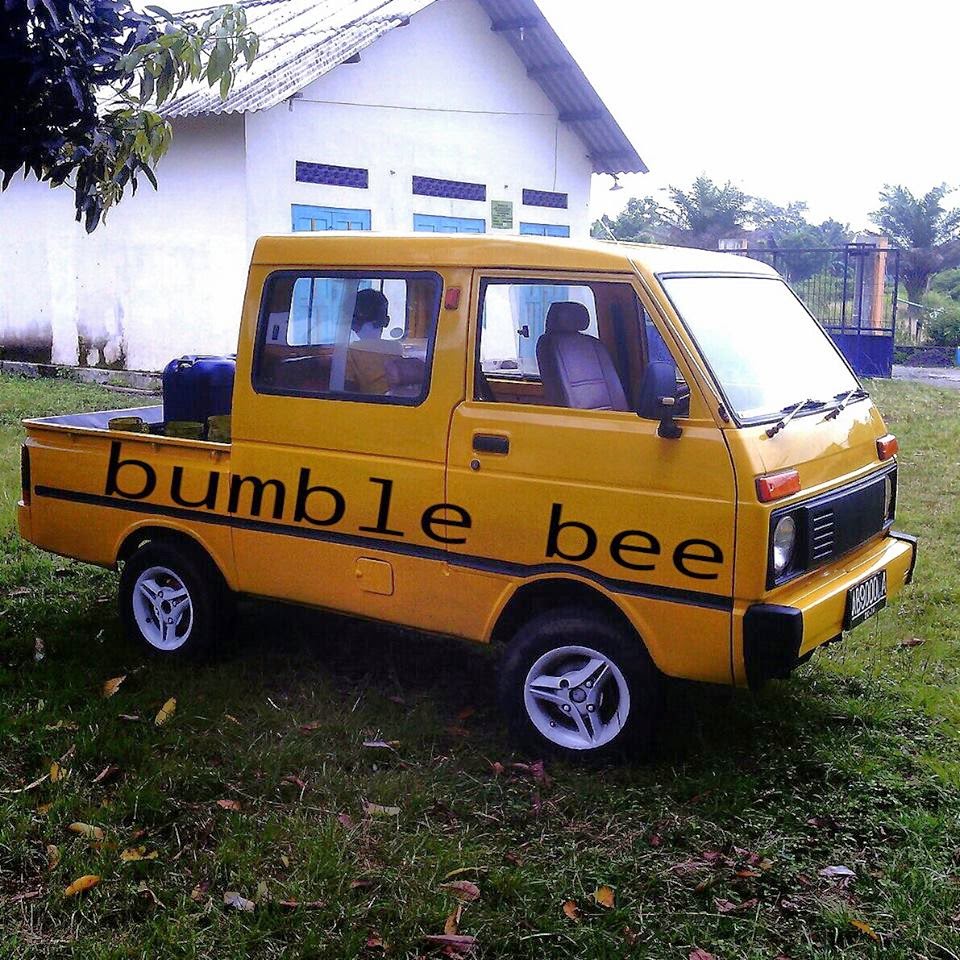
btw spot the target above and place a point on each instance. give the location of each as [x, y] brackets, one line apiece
[791, 410]
[857, 393]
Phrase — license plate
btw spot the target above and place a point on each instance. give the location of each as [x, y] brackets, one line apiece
[865, 598]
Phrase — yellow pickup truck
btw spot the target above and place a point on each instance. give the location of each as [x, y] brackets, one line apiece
[612, 461]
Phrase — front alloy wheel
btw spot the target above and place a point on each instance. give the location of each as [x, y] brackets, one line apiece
[577, 698]
[575, 683]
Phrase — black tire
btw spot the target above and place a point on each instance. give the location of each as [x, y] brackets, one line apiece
[574, 626]
[212, 605]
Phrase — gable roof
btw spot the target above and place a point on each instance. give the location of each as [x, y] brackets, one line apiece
[301, 40]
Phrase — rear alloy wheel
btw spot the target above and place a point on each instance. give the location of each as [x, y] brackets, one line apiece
[577, 685]
[173, 600]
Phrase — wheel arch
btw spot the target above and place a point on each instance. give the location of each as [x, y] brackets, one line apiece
[147, 532]
[537, 596]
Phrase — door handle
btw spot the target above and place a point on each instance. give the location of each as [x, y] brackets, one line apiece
[491, 443]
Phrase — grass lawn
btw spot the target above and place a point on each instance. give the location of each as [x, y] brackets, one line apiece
[343, 849]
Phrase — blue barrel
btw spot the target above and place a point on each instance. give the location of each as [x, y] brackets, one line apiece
[196, 387]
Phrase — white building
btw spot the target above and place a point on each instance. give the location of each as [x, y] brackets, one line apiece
[385, 115]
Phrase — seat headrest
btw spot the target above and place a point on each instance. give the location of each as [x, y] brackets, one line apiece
[567, 317]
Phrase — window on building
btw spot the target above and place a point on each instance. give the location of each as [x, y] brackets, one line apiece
[308, 217]
[545, 198]
[452, 189]
[544, 230]
[427, 223]
[351, 336]
[334, 176]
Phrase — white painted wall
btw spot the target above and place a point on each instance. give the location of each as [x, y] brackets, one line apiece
[162, 277]
[443, 97]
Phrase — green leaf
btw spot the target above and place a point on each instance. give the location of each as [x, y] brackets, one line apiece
[225, 82]
[160, 12]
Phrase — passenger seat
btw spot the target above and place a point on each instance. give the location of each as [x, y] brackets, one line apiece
[576, 369]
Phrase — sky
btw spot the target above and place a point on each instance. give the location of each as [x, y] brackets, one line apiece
[822, 101]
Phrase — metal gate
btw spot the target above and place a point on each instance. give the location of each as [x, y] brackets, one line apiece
[852, 291]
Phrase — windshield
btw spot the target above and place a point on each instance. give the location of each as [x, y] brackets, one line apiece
[766, 352]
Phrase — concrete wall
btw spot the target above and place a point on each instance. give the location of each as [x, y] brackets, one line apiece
[163, 276]
[442, 97]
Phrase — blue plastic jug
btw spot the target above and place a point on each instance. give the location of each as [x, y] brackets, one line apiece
[197, 387]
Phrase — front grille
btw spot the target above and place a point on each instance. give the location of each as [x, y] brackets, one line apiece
[834, 524]
[822, 535]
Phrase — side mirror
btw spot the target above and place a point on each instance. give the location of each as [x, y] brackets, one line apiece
[659, 398]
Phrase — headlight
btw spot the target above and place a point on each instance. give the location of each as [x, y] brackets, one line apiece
[784, 542]
[888, 497]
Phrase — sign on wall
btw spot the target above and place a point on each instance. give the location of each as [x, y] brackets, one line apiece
[501, 214]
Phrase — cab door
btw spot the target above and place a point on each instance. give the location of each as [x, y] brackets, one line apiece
[339, 438]
[588, 493]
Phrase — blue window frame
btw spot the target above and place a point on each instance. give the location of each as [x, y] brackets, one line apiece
[427, 223]
[307, 217]
[544, 230]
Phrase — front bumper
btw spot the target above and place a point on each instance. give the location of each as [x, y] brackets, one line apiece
[776, 636]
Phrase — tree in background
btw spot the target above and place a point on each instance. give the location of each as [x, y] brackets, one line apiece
[640, 221]
[705, 213]
[928, 232]
[82, 81]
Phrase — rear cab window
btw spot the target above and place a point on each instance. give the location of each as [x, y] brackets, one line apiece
[354, 336]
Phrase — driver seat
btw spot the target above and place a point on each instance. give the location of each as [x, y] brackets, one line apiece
[576, 370]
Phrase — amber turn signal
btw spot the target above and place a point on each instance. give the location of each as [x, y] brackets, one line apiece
[887, 446]
[776, 486]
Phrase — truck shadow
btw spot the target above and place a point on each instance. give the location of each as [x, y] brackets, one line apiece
[698, 721]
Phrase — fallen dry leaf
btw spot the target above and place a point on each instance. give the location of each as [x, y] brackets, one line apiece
[361, 884]
[26, 895]
[132, 717]
[865, 928]
[911, 642]
[200, 891]
[132, 854]
[39, 650]
[111, 686]
[378, 810]
[698, 954]
[451, 926]
[53, 856]
[375, 942]
[604, 896]
[381, 744]
[58, 773]
[43, 809]
[458, 941]
[166, 712]
[837, 871]
[728, 906]
[346, 821]
[301, 904]
[233, 899]
[147, 894]
[463, 890]
[310, 726]
[86, 830]
[81, 884]
[748, 874]
[106, 773]
[229, 805]
[296, 781]
[465, 714]
[61, 725]
[571, 910]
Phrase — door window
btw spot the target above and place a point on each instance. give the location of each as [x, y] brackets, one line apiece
[349, 335]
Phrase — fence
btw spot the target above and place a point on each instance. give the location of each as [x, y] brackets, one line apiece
[852, 291]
